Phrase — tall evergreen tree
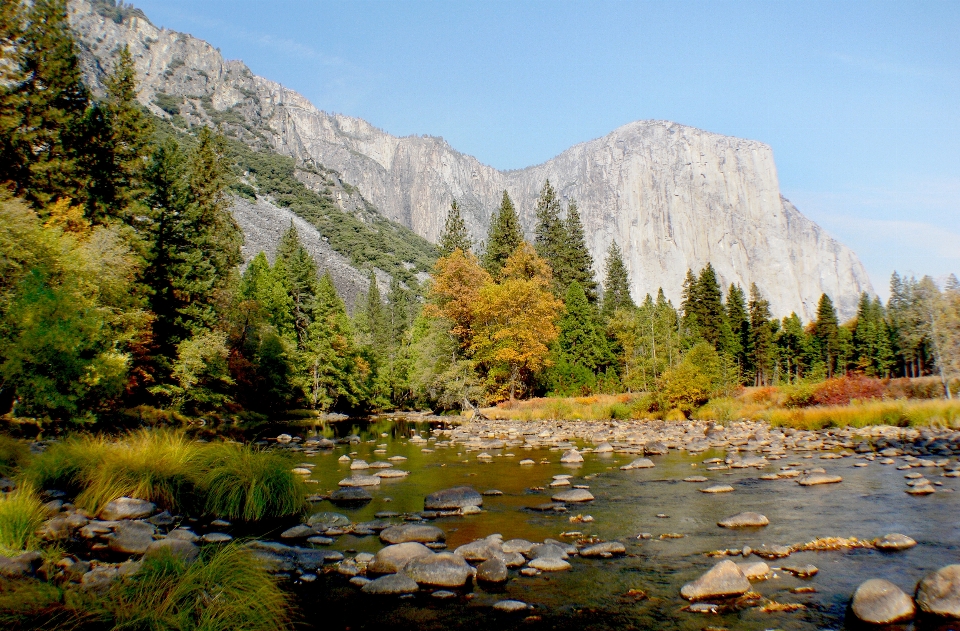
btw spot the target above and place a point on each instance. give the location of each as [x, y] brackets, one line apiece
[455, 233]
[827, 334]
[739, 323]
[577, 265]
[12, 20]
[504, 238]
[551, 235]
[616, 285]
[761, 337]
[793, 346]
[377, 318]
[708, 306]
[42, 158]
[301, 280]
[871, 338]
[581, 340]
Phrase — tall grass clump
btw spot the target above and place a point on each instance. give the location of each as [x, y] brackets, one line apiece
[224, 589]
[21, 513]
[243, 483]
[13, 455]
[902, 413]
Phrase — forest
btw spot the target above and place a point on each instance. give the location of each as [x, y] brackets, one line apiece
[123, 293]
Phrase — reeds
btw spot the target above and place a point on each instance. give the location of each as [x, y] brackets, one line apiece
[13, 455]
[241, 483]
[21, 513]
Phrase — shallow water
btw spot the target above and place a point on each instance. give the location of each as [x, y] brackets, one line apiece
[870, 502]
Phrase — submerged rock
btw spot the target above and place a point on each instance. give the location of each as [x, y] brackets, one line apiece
[878, 601]
[724, 580]
[745, 520]
[326, 520]
[350, 496]
[574, 495]
[453, 499]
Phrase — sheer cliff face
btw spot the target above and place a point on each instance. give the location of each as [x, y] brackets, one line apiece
[673, 197]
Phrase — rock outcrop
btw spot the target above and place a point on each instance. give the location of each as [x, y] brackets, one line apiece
[673, 197]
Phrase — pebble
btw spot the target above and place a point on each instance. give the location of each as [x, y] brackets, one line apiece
[511, 606]
[878, 601]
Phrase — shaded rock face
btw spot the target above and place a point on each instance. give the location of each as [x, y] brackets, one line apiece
[673, 197]
[881, 602]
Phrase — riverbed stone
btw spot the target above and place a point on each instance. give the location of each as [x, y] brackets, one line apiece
[443, 569]
[20, 565]
[655, 448]
[816, 479]
[723, 580]
[453, 499]
[745, 520]
[390, 585]
[300, 531]
[391, 559]
[521, 546]
[127, 508]
[178, 548]
[571, 456]
[492, 571]
[894, 542]
[755, 570]
[216, 537]
[718, 488]
[360, 480]
[639, 463]
[878, 601]
[325, 519]
[131, 537]
[350, 496]
[938, 593]
[573, 496]
[419, 533]
[605, 550]
[548, 551]
[511, 606]
[549, 564]
[801, 571]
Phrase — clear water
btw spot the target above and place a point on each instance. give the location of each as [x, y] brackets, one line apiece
[870, 502]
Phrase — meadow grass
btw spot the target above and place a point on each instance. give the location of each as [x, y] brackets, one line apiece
[21, 513]
[241, 483]
[13, 455]
[596, 407]
[899, 412]
[226, 588]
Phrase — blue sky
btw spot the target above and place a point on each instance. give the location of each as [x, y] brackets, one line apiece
[859, 100]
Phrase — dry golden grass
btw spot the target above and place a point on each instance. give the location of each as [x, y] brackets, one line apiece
[593, 408]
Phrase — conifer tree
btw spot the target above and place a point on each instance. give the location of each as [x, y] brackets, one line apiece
[11, 76]
[761, 337]
[267, 286]
[871, 339]
[301, 280]
[455, 233]
[551, 235]
[827, 334]
[708, 306]
[377, 318]
[793, 344]
[688, 303]
[581, 340]
[739, 323]
[504, 238]
[51, 104]
[400, 311]
[577, 265]
[616, 285]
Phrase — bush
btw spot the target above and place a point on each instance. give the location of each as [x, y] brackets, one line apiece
[21, 513]
[684, 387]
[13, 455]
[225, 588]
[843, 390]
[241, 483]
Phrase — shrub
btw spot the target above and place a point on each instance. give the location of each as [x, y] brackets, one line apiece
[224, 589]
[684, 387]
[842, 390]
[799, 395]
[241, 483]
[13, 455]
[21, 513]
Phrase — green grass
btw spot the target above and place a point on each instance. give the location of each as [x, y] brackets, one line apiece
[13, 455]
[902, 413]
[241, 483]
[167, 468]
[225, 588]
[21, 513]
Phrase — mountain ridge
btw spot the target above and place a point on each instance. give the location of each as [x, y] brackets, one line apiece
[672, 196]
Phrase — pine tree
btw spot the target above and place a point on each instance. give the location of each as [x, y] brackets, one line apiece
[551, 236]
[581, 340]
[709, 306]
[400, 312]
[11, 76]
[377, 318]
[504, 238]
[793, 345]
[301, 280]
[455, 233]
[51, 103]
[616, 286]
[739, 323]
[827, 334]
[577, 265]
[761, 337]
[871, 338]
[267, 286]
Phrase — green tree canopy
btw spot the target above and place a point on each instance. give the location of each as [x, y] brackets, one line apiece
[616, 286]
[455, 233]
[504, 237]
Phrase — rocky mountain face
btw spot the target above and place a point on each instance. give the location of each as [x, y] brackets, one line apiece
[673, 197]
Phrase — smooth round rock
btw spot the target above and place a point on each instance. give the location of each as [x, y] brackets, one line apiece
[894, 542]
[444, 569]
[326, 520]
[718, 488]
[391, 559]
[300, 531]
[605, 549]
[573, 495]
[127, 508]
[360, 480]
[350, 496]
[878, 601]
[639, 463]
[175, 547]
[549, 564]
[511, 606]
[755, 570]
[453, 499]
[938, 593]
[723, 580]
[816, 479]
[131, 537]
[745, 520]
[571, 457]
[492, 571]
[419, 533]
[390, 585]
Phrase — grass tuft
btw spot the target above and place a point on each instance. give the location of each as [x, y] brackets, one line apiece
[21, 513]
[242, 483]
[13, 455]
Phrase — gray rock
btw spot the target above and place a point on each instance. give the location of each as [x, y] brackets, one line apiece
[175, 547]
[360, 480]
[443, 569]
[492, 571]
[326, 520]
[725, 579]
[20, 565]
[639, 463]
[571, 456]
[655, 449]
[300, 531]
[443, 594]
[605, 549]
[801, 571]
[350, 496]
[216, 537]
[745, 520]
[548, 551]
[131, 537]
[878, 601]
[453, 499]
[894, 542]
[549, 564]
[127, 508]
[816, 479]
[310, 560]
[56, 529]
[772, 551]
[573, 496]
[390, 585]
[419, 533]
[938, 593]
[718, 488]
[511, 606]
[183, 534]
[755, 570]
[391, 559]
[99, 578]
[521, 546]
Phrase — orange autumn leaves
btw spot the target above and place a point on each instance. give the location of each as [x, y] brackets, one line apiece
[506, 324]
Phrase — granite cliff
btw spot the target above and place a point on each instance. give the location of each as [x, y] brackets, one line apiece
[672, 196]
